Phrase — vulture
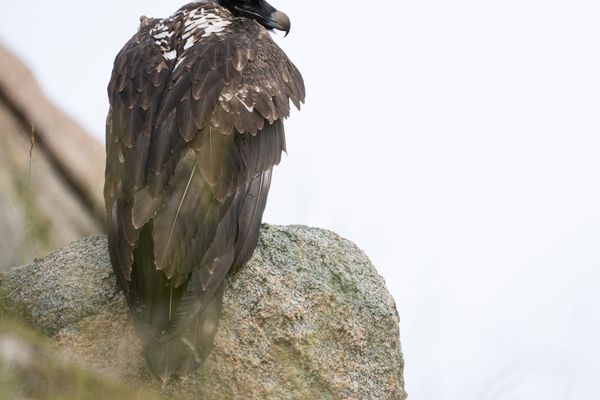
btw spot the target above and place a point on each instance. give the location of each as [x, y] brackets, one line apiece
[194, 129]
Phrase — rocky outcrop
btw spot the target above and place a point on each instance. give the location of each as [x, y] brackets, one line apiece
[54, 196]
[308, 317]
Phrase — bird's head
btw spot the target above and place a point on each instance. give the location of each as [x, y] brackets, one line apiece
[260, 11]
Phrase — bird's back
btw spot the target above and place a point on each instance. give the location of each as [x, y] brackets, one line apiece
[195, 126]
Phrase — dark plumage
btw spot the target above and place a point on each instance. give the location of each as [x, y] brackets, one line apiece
[195, 126]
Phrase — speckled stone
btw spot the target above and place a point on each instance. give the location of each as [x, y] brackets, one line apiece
[63, 287]
[308, 317]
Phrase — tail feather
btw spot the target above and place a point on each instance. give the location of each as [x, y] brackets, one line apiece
[178, 323]
[180, 355]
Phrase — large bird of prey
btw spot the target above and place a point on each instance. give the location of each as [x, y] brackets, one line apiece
[195, 126]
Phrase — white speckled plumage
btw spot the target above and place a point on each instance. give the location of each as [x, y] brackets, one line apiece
[198, 23]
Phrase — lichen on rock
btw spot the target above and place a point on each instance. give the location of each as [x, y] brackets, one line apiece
[308, 317]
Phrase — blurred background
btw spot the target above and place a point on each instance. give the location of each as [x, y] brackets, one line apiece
[457, 143]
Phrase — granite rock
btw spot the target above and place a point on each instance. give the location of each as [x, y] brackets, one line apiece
[308, 317]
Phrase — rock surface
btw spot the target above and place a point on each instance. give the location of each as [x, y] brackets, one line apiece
[58, 199]
[308, 317]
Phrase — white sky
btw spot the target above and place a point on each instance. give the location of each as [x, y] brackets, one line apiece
[456, 142]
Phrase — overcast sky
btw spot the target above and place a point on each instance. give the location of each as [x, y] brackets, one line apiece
[457, 142]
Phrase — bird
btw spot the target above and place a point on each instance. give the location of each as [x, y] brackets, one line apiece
[193, 132]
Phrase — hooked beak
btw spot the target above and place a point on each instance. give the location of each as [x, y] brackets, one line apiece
[279, 20]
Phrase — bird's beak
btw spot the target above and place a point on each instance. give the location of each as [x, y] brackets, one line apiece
[279, 20]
